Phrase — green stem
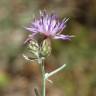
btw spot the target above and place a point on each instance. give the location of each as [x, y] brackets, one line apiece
[55, 71]
[43, 79]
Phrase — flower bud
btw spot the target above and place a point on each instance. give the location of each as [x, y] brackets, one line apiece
[46, 48]
[34, 48]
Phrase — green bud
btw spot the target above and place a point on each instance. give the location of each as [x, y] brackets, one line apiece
[34, 48]
[46, 48]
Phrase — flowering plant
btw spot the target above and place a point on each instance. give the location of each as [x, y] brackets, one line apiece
[50, 27]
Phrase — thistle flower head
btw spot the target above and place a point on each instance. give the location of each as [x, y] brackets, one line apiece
[49, 25]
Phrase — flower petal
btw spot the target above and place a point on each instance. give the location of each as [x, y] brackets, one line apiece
[63, 37]
[31, 30]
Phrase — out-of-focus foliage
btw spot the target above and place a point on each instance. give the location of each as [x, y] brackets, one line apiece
[78, 78]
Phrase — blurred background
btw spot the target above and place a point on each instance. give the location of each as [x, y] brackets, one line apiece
[18, 77]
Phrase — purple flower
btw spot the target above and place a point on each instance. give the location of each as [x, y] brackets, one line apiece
[49, 25]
